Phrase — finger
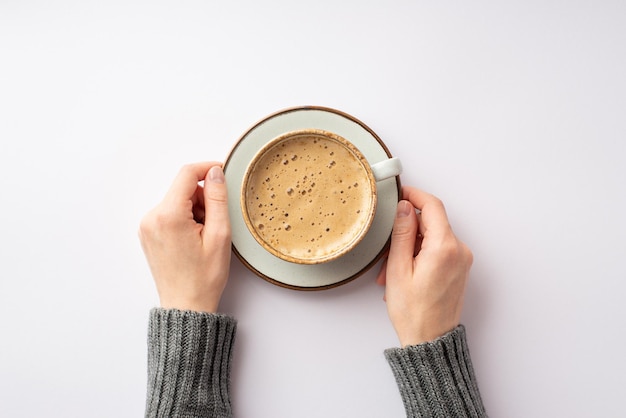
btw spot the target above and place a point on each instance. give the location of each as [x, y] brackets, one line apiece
[198, 196]
[420, 224]
[186, 182]
[400, 261]
[420, 234]
[198, 205]
[433, 217]
[381, 278]
[217, 222]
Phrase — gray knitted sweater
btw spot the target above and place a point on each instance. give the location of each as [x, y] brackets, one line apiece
[189, 360]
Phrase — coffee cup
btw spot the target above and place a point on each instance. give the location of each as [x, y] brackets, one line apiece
[309, 196]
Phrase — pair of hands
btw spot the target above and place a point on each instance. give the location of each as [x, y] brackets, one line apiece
[187, 242]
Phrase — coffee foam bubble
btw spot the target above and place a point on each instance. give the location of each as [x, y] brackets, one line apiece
[308, 197]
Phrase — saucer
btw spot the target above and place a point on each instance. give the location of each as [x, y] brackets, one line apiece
[310, 276]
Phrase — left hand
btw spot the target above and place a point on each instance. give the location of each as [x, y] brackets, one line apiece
[187, 240]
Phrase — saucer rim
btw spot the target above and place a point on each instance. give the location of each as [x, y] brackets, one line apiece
[384, 148]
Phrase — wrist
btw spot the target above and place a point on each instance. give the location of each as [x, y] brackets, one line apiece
[422, 336]
[190, 304]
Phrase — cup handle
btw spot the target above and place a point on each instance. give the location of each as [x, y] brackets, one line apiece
[385, 169]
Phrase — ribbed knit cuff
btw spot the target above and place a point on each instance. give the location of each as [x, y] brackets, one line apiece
[189, 362]
[436, 378]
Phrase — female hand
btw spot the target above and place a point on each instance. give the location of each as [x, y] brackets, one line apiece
[186, 240]
[426, 271]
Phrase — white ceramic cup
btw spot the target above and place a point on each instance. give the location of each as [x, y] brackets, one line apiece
[309, 196]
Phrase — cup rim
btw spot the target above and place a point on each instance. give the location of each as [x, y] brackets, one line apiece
[292, 135]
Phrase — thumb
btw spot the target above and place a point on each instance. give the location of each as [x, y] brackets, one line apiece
[216, 222]
[400, 261]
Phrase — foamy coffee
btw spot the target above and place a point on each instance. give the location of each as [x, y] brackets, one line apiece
[309, 196]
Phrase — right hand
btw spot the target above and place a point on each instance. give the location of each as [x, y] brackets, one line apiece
[426, 270]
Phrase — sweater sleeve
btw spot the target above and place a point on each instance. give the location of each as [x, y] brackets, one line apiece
[189, 363]
[436, 378]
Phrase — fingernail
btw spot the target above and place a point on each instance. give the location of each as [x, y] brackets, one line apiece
[216, 175]
[404, 209]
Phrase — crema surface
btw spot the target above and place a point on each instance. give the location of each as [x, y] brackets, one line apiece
[309, 197]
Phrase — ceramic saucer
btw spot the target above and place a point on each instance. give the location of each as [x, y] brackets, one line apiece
[315, 276]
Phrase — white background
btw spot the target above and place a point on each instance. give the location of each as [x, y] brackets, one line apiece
[512, 112]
